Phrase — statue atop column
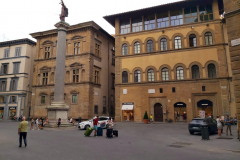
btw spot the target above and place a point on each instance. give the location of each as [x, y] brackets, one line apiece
[64, 12]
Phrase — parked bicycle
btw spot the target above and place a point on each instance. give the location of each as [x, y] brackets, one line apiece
[169, 120]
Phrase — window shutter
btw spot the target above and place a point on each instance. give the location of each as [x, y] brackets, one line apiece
[2, 69]
[18, 66]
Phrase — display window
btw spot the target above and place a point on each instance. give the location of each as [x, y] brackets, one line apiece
[12, 112]
[128, 115]
[180, 112]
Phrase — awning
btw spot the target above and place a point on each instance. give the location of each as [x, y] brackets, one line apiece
[127, 107]
[180, 105]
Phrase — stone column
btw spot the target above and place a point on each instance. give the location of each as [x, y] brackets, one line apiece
[58, 108]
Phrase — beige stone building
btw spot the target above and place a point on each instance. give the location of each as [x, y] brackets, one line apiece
[89, 74]
[16, 58]
[172, 61]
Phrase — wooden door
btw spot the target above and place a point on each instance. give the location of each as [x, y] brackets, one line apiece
[158, 112]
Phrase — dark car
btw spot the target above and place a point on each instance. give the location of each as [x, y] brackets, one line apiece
[196, 123]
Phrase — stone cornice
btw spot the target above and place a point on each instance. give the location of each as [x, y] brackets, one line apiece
[17, 42]
[230, 14]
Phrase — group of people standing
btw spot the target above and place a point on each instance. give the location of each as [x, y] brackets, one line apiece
[221, 123]
[38, 122]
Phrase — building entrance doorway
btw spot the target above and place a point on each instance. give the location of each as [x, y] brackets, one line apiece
[180, 112]
[1, 112]
[205, 108]
[158, 112]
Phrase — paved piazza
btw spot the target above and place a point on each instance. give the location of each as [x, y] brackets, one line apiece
[136, 141]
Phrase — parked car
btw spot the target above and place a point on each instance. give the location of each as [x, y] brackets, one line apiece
[89, 123]
[194, 125]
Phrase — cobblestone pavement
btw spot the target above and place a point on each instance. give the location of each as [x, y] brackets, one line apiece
[135, 141]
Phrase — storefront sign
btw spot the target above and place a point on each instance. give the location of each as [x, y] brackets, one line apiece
[235, 42]
[124, 91]
[1, 108]
[151, 91]
[180, 104]
[204, 103]
[127, 103]
[202, 114]
[12, 108]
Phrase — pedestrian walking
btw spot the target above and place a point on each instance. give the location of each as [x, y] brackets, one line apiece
[59, 122]
[42, 120]
[228, 125]
[32, 123]
[22, 131]
[1, 117]
[151, 119]
[37, 124]
[95, 123]
[72, 121]
[219, 126]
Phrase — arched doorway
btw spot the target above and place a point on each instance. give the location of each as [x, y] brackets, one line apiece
[205, 108]
[158, 112]
[180, 112]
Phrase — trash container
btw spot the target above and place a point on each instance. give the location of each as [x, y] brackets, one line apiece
[79, 119]
[204, 132]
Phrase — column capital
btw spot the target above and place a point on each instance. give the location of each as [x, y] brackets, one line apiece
[62, 25]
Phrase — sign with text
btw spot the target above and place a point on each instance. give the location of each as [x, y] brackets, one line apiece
[202, 114]
[12, 108]
[235, 42]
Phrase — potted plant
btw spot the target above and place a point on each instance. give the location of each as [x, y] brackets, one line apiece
[145, 118]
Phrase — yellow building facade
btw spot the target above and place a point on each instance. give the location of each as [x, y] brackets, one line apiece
[172, 61]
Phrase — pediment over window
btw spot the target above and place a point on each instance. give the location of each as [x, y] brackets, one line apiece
[43, 94]
[45, 69]
[47, 42]
[76, 37]
[74, 92]
[76, 64]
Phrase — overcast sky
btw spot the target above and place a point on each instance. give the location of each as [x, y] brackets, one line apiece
[19, 18]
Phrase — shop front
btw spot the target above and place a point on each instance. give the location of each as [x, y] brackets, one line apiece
[12, 112]
[127, 111]
[180, 112]
[1, 111]
[205, 108]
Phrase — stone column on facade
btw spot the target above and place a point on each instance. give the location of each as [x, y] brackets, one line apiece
[58, 108]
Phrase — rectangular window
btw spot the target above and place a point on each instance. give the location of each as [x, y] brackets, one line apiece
[13, 99]
[74, 98]
[191, 15]
[75, 75]
[113, 59]
[43, 99]
[13, 85]
[45, 78]
[112, 100]
[136, 24]
[149, 22]
[4, 68]
[104, 100]
[97, 50]
[3, 85]
[16, 67]
[6, 53]
[173, 90]
[162, 20]
[176, 18]
[47, 52]
[113, 82]
[125, 27]
[18, 51]
[77, 48]
[2, 99]
[161, 90]
[206, 13]
[104, 109]
[97, 77]
[95, 109]
[203, 88]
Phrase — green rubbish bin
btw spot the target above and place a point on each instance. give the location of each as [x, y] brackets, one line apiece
[204, 132]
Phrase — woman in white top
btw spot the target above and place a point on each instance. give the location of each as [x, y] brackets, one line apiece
[37, 124]
[219, 125]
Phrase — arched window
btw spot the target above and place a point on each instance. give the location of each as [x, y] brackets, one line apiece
[165, 74]
[150, 75]
[208, 38]
[180, 74]
[195, 72]
[178, 42]
[211, 71]
[192, 40]
[150, 46]
[137, 76]
[136, 47]
[124, 77]
[124, 49]
[163, 44]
